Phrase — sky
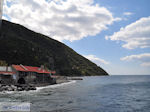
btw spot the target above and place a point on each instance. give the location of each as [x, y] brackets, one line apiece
[114, 34]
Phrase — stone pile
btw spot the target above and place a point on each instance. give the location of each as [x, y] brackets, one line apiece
[4, 87]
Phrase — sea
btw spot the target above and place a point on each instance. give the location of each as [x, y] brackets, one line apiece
[117, 93]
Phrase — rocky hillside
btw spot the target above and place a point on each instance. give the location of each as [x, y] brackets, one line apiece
[19, 45]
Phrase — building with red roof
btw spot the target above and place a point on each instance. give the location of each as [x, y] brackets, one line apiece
[21, 74]
[6, 75]
[39, 70]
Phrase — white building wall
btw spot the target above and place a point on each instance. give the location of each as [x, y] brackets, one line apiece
[4, 68]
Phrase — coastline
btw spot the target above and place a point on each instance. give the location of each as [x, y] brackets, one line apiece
[56, 85]
[41, 87]
[60, 82]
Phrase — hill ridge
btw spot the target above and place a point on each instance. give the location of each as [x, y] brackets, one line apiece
[19, 45]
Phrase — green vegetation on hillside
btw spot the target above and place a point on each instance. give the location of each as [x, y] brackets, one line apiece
[3, 63]
[19, 45]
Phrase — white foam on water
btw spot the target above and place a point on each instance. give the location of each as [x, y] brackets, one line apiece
[15, 92]
[40, 88]
[55, 85]
[7, 92]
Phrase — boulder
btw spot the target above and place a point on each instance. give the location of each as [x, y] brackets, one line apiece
[16, 87]
[9, 88]
[19, 89]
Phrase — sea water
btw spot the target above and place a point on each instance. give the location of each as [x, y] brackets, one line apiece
[92, 94]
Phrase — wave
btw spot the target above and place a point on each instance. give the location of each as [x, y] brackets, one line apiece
[55, 85]
[39, 88]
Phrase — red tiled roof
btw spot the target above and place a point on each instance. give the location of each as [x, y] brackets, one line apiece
[8, 73]
[30, 69]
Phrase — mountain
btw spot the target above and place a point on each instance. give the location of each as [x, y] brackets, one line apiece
[19, 45]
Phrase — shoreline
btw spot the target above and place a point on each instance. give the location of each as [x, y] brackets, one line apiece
[60, 80]
[56, 85]
[41, 87]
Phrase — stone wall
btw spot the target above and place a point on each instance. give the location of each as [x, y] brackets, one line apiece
[27, 78]
[45, 78]
[6, 79]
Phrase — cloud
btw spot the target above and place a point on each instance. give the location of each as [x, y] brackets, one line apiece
[60, 19]
[118, 19]
[1, 7]
[135, 35]
[147, 64]
[143, 58]
[96, 60]
[127, 13]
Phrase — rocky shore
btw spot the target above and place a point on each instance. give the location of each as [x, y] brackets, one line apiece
[4, 87]
[28, 87]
